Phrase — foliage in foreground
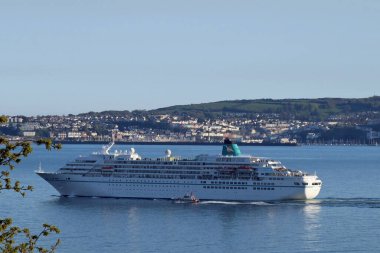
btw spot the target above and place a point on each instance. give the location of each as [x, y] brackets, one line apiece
[11, 153]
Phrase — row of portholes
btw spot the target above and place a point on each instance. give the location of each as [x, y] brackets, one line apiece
[149, 185]
[225, 187]
[263, 188]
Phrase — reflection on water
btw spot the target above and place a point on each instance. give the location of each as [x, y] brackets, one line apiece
[311, 211]
[312, 224]
[132, 225]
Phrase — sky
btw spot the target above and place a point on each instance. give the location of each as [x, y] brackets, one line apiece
[73, 56]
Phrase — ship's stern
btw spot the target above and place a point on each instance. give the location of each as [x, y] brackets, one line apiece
[313, 186]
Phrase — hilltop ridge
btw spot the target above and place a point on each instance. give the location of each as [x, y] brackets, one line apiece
[304, 109]
[315, 109]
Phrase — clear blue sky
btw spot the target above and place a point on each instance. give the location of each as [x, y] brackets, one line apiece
[72, 56]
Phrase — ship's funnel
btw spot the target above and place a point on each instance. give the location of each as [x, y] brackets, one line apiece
[230, 149]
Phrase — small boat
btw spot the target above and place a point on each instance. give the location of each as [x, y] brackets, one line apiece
[187, 198]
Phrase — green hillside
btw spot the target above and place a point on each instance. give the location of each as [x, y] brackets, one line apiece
[317, 109]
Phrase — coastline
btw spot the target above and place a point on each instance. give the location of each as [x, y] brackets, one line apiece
[179, 143]
[183, 143]
[191, 143]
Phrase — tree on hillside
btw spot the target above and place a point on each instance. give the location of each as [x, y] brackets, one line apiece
[14, 239]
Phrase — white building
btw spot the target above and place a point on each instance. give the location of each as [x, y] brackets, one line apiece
[73, 135]
[29, 133]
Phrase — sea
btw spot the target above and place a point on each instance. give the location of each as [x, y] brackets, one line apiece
[345, 217]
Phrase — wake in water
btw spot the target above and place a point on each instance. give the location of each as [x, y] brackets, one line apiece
[337, 202]
[257, 203]
[326, 202]
[351, 202]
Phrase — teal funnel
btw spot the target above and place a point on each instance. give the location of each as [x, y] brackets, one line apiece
[230, 149]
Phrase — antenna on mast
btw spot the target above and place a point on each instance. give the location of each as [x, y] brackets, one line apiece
[40, 168]
[107, 148]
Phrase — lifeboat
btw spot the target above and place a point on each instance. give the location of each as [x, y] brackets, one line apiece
[107, 170]
[245, 168]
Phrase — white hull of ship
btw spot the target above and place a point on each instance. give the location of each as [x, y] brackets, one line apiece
[117, 187]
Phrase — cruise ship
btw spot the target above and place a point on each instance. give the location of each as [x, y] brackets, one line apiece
[230, 176]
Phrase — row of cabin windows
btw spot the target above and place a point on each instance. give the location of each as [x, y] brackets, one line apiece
[147, 166]
[150, 186]
[225, 187]
[296, 183]
[159, 162]
[273, 175]
[225, 182]
[74, 169]
[145, 162]
[161, 171]
[150, 176]
[233, 159]
[85, 161]
[151, 182]
[77, 165]
[156, 167]
[275, 178]
[263, 188]
[263, 183]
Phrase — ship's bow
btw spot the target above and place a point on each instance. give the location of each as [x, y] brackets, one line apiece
[54, 179]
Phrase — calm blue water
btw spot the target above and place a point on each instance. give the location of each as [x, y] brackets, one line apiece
[344, 218]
